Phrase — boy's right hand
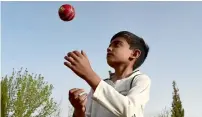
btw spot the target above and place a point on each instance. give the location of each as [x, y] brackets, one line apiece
[78, 101]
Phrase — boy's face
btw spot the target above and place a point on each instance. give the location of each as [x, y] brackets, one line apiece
[119, 52]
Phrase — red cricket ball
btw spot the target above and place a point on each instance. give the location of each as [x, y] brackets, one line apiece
[66, 12]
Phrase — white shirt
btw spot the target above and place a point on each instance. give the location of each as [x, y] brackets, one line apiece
[119, 100]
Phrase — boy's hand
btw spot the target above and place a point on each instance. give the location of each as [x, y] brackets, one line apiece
[79, 64]
[78, 101]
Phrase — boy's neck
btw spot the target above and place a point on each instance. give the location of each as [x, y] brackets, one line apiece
[123, 72]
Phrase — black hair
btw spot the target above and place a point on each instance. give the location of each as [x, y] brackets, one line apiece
[135, 42]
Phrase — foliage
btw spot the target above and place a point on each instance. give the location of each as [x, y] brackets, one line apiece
[27, 95]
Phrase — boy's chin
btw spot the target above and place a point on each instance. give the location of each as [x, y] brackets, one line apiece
[111, 63]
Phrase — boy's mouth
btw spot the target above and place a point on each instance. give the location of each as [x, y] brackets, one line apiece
[109, 54]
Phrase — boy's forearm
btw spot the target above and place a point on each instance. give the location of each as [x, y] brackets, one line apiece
[93, 80]
[78, 114]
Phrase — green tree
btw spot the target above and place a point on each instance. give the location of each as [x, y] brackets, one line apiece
[177, 109]
[70, 110]
[27, 95]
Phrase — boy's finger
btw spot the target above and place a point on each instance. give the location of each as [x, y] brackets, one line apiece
[71, 93]
[77, 53]
[83, 53]
[68, 64]
[70, 60]
[73, 90]
[73, 55]
[83, 103]
[77, 92]
[82, 97]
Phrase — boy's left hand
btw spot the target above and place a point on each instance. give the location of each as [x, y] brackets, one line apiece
[79, 64]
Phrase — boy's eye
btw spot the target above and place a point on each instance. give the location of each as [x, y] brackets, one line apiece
[117, 44]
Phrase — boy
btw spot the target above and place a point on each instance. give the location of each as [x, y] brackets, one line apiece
[125, 93]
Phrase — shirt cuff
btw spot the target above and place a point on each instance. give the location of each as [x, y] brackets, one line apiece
[98, 90]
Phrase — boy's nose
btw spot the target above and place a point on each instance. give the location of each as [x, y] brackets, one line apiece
[109, 49]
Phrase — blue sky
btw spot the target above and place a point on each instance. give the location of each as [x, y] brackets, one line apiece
[34, 37]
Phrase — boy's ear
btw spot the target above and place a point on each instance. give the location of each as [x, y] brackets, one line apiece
[135, 54]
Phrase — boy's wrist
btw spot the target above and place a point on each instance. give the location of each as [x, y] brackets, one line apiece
[89, 75]
[78, 113]
[93, 80]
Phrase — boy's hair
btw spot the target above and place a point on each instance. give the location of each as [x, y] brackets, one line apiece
[135, 42]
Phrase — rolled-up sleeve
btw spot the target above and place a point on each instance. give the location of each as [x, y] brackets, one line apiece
[119, 104]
